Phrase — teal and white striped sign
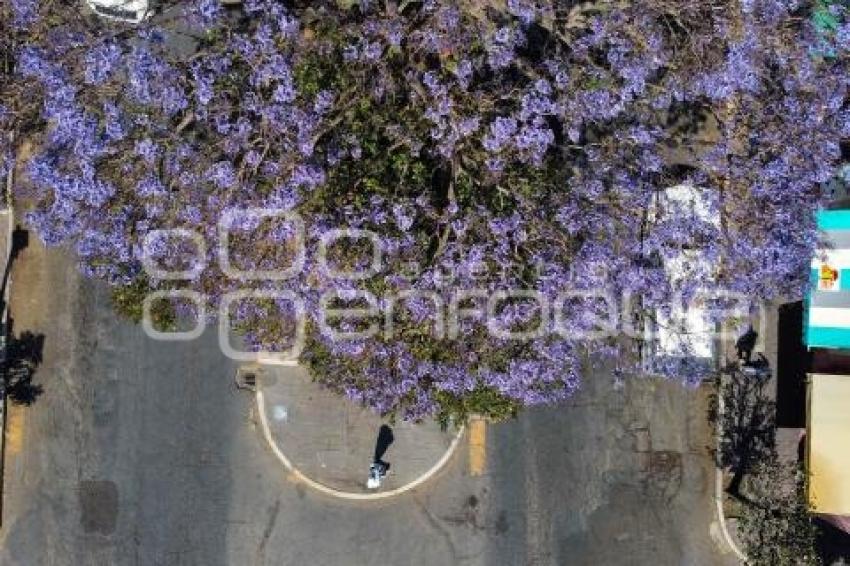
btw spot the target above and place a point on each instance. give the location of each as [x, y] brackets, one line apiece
[827, 323]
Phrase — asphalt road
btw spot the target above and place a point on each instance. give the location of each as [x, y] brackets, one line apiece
[143, 453]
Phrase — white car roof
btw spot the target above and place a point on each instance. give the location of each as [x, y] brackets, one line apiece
[688, 329]
[106, 9]
[686, 197]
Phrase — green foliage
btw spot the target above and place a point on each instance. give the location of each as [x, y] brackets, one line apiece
[128, 301]
[452, 410]
[376, 171]
[776, 527]
[309, 77]
[482, 401]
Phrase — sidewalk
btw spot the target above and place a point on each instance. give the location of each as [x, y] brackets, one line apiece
[6, 225]
[330, 441]
[767, 344]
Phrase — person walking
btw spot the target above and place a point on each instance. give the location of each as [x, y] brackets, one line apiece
[379, 468]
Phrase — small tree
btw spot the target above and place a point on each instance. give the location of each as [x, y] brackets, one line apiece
[776, 527]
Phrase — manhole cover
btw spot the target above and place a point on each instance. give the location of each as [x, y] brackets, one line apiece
[99, 506]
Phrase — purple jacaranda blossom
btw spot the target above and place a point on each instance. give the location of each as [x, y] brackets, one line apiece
[206, 11]
[395, 34]
[501, 50]
[114, 129]
[525, 10]
[351, 53]
[173, 100]
[35, 62]
[150, 186]
[435, 87]
[204, 82]
[535, 139]
[324, 101]
[25, 13]
[101, 61]
[536, 104]
[501, 131]
[464, 72]
[372, 51]
[495, 164]
[147, 150]
[222, 174]
[307, 176]
[402, 218]
[478, 159]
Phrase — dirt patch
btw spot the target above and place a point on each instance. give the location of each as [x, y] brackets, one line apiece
[664, 479]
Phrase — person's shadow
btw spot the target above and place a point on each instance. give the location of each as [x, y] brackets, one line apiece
[385, 438]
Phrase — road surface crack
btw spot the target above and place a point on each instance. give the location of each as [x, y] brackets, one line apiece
[274, 511]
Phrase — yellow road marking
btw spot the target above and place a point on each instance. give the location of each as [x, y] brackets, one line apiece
[293, 477]
[14, 430]
[477, 446]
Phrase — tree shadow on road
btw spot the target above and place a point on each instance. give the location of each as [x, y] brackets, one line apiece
[24, 354]
[833, 543]
[748, 427]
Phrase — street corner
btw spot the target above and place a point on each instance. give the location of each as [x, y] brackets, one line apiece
[335, 446]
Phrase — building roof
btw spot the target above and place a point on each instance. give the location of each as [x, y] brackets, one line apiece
[828, 444]
[827, 321]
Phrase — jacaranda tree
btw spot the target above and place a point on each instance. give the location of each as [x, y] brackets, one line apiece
[489, 146]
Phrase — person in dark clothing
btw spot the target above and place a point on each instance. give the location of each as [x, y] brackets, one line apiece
[760, 363]
[759, 367]
[379, 468]
[385, 438]
[745, 345]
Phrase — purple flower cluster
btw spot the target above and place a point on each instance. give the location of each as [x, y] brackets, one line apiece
[526, 10]
[528, 135]
[101, 61]
[204, 13]
[25, 13]
[153, 82]
[501, 48]
[7, 160]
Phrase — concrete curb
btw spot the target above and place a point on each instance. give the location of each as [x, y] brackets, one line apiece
[9, 212]
[272, 361]
[718, 481]
[351, 496]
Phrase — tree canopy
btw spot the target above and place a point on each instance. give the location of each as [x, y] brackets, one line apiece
[776, 527]
[490, 146]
